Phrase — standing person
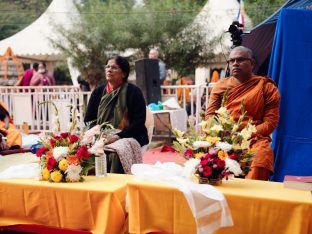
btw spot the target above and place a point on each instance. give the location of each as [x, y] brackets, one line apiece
[154, 54]
[261, 99]
[28, 74]
[42, 77]
[121, 104]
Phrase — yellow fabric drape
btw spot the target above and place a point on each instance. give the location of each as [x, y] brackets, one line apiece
[97, 205]
[257, 207]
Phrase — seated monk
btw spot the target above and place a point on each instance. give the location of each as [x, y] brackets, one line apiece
[261, 99]
[8, 130]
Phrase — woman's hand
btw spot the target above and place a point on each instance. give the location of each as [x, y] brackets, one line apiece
[112, 138]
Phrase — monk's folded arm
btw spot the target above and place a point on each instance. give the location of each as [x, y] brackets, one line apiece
[271, 111]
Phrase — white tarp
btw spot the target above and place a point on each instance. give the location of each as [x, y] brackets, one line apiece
[33, 41]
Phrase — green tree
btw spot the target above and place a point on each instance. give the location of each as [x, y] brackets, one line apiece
[18, 14]
[259, 10]
[108, 27]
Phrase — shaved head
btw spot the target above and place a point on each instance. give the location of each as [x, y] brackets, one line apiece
[244, 49]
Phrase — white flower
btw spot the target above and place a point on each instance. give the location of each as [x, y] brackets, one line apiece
[252, 128]
[73, 173]
[245, 144]
[233, 166]
[60, 152]
[201, 144]
[224, 146]
[178, 133]
[235, 128]
[216, 128]
[98, 147]
[190, 167]
[245, 134]
[182, 141]
[222, 111]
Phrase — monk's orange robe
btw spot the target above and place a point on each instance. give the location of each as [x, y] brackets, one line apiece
[14, 137]
[261, 99]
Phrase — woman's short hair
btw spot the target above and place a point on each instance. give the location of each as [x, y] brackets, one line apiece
[123, 64]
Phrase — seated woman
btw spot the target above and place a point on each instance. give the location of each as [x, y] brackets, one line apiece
[121, 104]
[8, 130]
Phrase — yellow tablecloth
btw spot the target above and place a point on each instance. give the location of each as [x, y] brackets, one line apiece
[256, 207]
[96, 205]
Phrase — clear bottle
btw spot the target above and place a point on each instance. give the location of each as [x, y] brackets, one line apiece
[101, 165]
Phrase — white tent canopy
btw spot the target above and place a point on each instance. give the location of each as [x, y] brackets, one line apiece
[215, 19]
[33, 42]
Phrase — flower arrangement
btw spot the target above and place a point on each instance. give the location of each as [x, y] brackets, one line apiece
[221, 147]
[63, 156]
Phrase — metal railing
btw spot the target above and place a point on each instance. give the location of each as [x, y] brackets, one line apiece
[30, 104]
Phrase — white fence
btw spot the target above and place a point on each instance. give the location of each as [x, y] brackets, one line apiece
[29, 104]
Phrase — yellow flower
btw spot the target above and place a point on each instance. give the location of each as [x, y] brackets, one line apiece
[199, 154]
[45, 174]
[56, 176]
[63, 164]
[213, 140]
[222, 155]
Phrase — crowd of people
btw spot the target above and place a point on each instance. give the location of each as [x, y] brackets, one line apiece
[38, 75]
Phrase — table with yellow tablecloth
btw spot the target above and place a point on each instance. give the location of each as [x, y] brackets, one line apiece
[96, 205]
[256, 207]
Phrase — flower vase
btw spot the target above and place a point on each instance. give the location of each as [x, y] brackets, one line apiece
[211, 181]
[100, 165]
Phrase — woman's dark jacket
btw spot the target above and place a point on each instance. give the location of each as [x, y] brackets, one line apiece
[136, 112]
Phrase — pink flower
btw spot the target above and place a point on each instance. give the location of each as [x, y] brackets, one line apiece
[64, 135]
[233, 156]
[41, 151]
[221, 163]
[188, 153]
[207, 171]
[73, 139]
[82, 152]
[52, 142]
[51, 163]
[204, 162]
[57, 138]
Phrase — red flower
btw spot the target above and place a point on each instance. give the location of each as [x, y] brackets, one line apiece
[207, 171]
[188, 153]
[233, 156]
[73, 139]
[51, 163]
[41, 151]
[221, 163]
[204, 162]
[52, 142]
[64, 134]
[207, 156]
[82, 152]
[57, 138]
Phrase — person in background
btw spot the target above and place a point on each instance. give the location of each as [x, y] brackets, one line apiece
[8, 130]
[154, 54]
[42, 77]
[261, 99]
[28, 74]
[122, 105]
